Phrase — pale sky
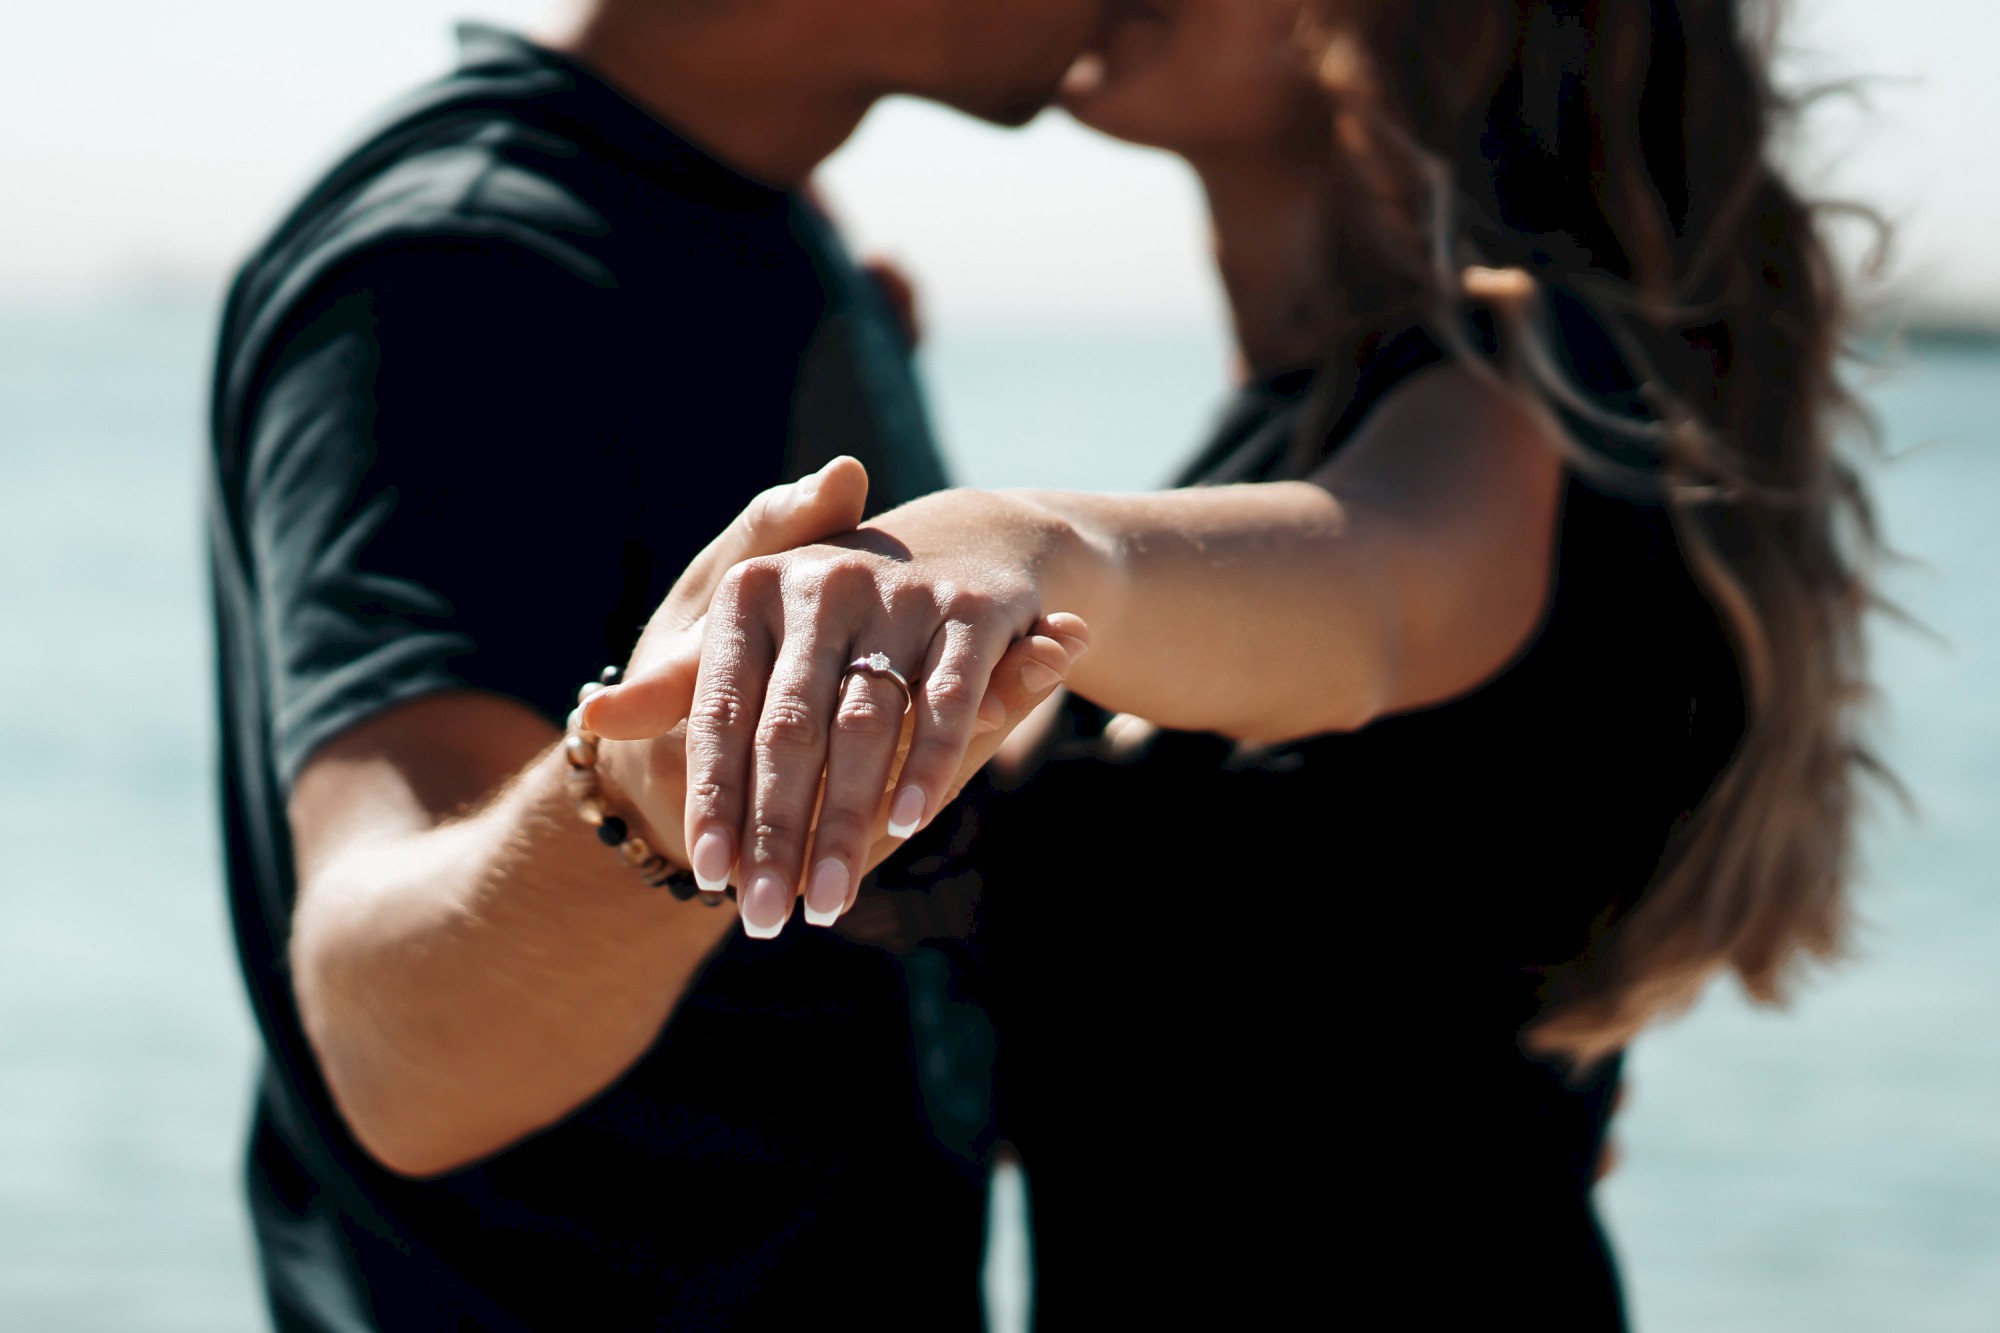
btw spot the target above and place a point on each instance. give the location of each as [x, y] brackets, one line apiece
[149, 144]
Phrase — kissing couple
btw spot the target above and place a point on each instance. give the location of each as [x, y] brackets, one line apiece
[1481, 690]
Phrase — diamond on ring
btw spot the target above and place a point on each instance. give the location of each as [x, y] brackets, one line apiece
[877, 664]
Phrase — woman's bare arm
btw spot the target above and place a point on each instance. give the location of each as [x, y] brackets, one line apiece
[1412, 568]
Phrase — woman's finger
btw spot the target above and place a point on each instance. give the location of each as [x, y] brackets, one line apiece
[789, 752]
[860, 758]
[738, 645]
[1021, 683]
[659, 685]
[948, 695]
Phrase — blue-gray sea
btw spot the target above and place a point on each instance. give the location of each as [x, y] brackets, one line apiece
[1830, 1169]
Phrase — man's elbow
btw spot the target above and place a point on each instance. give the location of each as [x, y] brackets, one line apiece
[396, 1124]
[388, 1108]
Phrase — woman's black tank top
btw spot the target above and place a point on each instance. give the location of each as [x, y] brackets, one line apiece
[1259, 1012]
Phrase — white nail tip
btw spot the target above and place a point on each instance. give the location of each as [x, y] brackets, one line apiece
[820, 918]
[757, 932]
[902, 830]
[710, 885]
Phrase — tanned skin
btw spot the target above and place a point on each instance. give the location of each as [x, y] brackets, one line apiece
[469, 964]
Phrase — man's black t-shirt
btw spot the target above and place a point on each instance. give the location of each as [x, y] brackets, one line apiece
[478, 401]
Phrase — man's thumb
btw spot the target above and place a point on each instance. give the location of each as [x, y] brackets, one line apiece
[657, 696]
[830, 501]
[647, 705]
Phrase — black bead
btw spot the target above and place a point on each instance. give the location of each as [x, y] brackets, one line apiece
[612, 831]
[683, 888]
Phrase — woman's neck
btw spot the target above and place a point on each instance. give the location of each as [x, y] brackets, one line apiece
[1268, 219]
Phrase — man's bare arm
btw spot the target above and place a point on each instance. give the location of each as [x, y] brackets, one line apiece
[470, 963]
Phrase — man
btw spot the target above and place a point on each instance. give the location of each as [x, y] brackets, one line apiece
[479, 402]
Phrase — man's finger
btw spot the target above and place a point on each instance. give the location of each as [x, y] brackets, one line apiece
[1023, 677]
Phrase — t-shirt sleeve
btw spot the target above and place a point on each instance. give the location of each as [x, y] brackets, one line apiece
[435, 489]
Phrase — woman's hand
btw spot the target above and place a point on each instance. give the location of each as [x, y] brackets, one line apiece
[785, 749]
[650, 772]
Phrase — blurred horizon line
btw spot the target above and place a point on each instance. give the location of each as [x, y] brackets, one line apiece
[185, 288]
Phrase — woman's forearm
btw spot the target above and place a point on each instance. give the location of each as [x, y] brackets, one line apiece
[1259, 611]
[1406, 573]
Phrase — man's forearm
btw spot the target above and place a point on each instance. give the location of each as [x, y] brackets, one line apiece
[468, 983]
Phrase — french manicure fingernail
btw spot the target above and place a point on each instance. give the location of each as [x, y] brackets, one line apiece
[766, 904]
[713, 860]
[907, 812]
[1038, 676]
[826, 893]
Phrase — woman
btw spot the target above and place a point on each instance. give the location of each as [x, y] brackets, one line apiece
[1498, 676]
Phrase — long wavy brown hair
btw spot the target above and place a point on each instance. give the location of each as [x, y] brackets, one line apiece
[1625, 149]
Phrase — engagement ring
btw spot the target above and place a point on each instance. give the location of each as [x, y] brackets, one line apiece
[877, 664]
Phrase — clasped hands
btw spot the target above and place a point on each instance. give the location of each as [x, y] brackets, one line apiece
[738, 721]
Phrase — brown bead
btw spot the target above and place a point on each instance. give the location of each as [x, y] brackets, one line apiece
[580, 748]
[591, 810]
[634, 851]
[585, 690]
[581, 782]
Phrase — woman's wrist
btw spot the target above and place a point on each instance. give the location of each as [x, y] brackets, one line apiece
[1060, 540]
[1076, 554]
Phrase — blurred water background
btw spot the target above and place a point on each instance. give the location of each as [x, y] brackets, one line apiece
[1831, 1170]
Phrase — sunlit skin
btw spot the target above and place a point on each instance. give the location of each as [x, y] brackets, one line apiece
[1220, 83]
[469, 965]
[1407, 571]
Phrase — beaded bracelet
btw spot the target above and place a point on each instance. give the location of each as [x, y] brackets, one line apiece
[580, 748]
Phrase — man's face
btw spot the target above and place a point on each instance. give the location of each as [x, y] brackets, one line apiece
[1000, 60]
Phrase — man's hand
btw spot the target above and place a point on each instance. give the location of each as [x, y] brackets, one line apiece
[469, 963]
[824, 744]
